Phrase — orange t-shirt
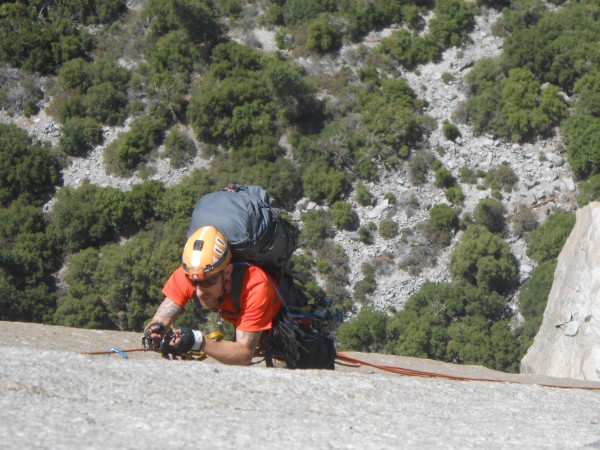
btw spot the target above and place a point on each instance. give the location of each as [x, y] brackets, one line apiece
[259, 303]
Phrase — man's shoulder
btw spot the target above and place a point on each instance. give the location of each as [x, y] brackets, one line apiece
[254, 274]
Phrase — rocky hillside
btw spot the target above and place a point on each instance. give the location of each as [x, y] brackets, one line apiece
[545, 180]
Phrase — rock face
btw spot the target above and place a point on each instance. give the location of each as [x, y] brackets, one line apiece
[51, 397]
[568, 343]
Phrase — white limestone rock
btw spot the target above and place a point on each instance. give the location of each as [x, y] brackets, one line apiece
[568, 342]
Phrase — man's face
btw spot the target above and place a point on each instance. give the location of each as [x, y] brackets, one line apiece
[211, 295]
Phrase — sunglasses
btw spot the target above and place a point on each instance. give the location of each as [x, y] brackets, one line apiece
[207, 282]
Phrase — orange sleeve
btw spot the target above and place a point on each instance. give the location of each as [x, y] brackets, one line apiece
[260, 303]
[178, 289]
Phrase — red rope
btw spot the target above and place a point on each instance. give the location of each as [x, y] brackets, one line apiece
[419, 373]
[109, 352]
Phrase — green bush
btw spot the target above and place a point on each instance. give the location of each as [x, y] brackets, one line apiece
[392, 113]
[75, 75]
[79, 135]
[28, 258]
[195, 18]
[296, 12]
[442, 223]
[547, 240]
[88, 216]
[323, 37]
[581, 133]
[444, 178]
[105, 103]
[343, 216]
[325, 185]
[179, 148]
[490, 213]
[418, 167]
[467, 175]
[27, 168]
[455, 323]
[317, 227]
[450, 131]
[503, 177]
[362, 194]
[123, 155]
[449, 26]
[363, 288]
[388, 229]
[484, 260]
[98, 90]
[248, 94]
[364, 333]
[337, 279]
[391, 198]
[533, 298]
[365, 236]
[173, 52]
[40, 39]
[116, 287]
[455, 195]
[589, 191]
[524, 220]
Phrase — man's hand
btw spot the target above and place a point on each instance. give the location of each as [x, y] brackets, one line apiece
[186, 339]
[153, 336]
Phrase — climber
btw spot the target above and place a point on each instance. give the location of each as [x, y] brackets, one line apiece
[261, 321]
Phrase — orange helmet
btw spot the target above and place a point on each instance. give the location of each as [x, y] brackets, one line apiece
[206, 253]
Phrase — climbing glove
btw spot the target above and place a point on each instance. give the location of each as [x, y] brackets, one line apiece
[189, 340]
[153, 336]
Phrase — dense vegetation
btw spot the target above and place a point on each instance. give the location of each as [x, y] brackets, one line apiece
[261, 119]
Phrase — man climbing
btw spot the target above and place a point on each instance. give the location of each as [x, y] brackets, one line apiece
[260, 319]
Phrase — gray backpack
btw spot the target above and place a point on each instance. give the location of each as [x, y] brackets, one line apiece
[256, 232]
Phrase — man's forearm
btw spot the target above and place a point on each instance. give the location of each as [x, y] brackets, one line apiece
[166, 313]
[239, 353]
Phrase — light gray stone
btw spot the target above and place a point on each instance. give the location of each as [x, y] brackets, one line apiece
[568, 342]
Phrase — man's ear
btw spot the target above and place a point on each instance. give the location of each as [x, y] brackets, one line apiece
[227, 271]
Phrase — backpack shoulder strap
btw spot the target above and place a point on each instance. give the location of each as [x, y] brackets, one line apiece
[237, 277]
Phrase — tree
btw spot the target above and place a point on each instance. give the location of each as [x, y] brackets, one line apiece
[547, 240]
[581, 133]
[247, 95]
[85, 217]
[116, 286]
[450, 131]
[27, 168]
[323, 37]
[195, 18]
[364, 333]
[317, 227]
[589, 191]
[37, 40]
[133, 147]
[490, 212]
[343, 216]
[484, 260]
[442, 223]
[388, 228]
[79, 135]
[533, 299]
